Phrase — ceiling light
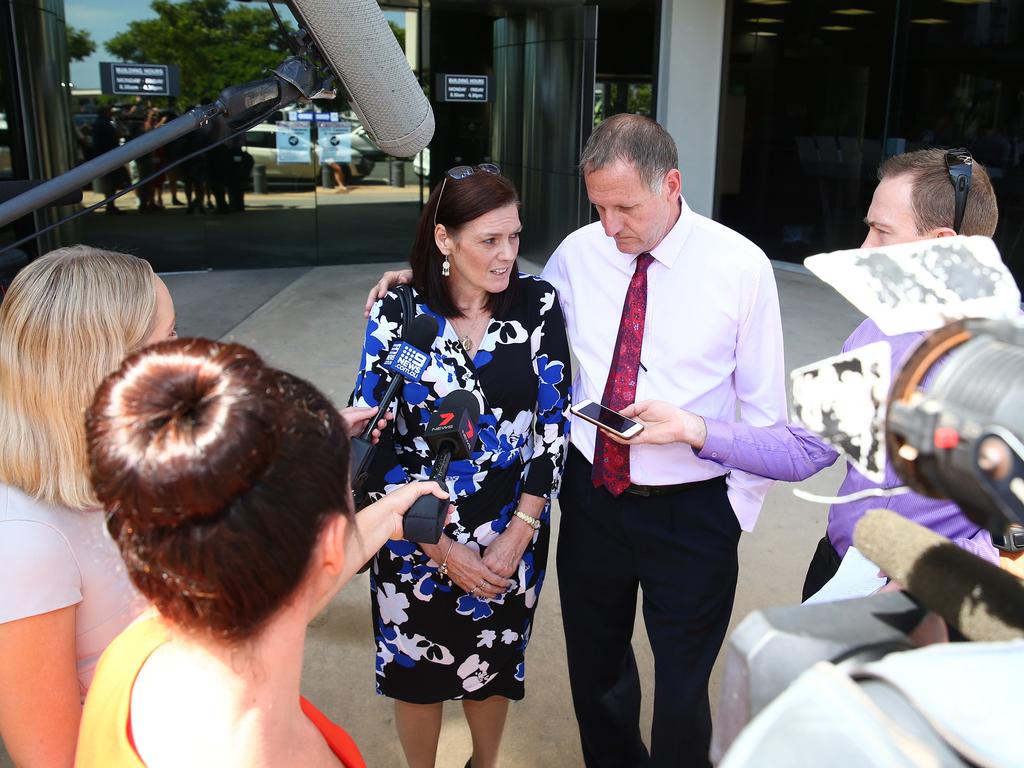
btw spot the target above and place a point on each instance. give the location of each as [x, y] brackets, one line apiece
[768, 2]
[765, 34]
[762, 20]
[836, 28]
[853, 12]
[968, 2]
[929, 21]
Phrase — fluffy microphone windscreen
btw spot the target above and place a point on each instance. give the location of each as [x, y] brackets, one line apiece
[362, 51]
[983, 601]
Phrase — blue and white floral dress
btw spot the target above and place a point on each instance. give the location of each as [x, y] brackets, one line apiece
[434, 641]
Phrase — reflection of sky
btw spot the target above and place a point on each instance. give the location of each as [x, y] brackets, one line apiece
[105, 18]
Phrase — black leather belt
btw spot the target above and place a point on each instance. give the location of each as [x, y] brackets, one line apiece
[650, 491]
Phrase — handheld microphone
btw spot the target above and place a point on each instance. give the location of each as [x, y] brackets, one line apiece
[983, 602]
[451, 434]
[357, 44]
[407, 361]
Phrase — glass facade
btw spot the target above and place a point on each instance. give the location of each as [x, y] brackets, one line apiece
[817, 94]
[306, 187]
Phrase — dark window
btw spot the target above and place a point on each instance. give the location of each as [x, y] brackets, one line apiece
[818, 94]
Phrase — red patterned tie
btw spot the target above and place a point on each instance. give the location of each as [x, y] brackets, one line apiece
[611, 460]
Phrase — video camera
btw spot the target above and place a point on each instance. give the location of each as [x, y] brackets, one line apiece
[832, 680]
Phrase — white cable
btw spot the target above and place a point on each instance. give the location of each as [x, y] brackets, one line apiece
[865, 494]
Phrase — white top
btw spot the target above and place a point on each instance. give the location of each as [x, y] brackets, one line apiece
[52, 557]
[712, 339]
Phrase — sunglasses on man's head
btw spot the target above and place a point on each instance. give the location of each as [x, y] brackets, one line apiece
[460, 172]
[959, 164]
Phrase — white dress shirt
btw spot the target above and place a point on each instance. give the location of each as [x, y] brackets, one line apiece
[712, 340]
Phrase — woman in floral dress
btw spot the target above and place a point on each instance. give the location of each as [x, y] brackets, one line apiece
[452, 618]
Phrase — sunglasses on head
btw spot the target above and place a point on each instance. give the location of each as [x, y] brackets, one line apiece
[460, 172]
[959, 164]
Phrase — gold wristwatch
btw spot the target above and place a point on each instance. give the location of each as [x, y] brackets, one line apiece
[533, 522]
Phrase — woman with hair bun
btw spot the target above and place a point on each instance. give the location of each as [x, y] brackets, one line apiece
[226, 488]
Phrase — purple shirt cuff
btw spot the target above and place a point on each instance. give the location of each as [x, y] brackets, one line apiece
[718, 443]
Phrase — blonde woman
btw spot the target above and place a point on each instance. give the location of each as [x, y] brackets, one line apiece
[67, 321]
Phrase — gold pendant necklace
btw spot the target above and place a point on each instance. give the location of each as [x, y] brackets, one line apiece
[466, 339]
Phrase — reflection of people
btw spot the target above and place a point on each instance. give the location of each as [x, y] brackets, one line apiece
[241, 169]
[657, 518]
[226, 490]
[914, 200]
[339, 177]
[68, 320]
[107, 135]
[502, 338]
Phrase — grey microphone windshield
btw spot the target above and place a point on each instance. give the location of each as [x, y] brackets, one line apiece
[983, 601]
[359, 46]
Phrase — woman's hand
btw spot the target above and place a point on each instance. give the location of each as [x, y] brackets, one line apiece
[504, 553]
[356, 419]
[469, 571]
[387, 281]
[663, 423]
[397, 503]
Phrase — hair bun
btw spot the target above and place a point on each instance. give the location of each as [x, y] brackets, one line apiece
[180, 430]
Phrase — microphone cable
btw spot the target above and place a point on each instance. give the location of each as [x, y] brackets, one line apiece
[867, 493]
[121, 193]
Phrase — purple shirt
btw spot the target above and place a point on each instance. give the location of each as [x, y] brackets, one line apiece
[788, 452]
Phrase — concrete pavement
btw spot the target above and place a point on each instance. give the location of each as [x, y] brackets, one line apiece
[309, 321]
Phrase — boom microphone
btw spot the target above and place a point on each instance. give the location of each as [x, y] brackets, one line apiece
[358, 45]
[984, 602]
[451, 434]
[407, 361]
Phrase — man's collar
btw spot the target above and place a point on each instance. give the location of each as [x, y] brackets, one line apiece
[671, 245]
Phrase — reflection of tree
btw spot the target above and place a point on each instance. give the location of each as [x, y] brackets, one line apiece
[399, 33]
[214, 43]
[80, 44]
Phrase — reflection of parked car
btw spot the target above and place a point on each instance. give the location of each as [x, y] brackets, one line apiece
[261, 142]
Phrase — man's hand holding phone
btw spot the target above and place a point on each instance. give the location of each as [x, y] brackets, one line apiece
[663, 423]
[608, 420]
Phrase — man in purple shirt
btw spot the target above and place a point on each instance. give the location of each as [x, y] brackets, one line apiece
[914, 200]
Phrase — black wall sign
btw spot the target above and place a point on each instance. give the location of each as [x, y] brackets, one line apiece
[475, 88]
[125, 79]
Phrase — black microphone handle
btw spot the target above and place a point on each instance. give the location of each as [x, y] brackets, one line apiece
[424, 521]
[361, 453]
[385, 403]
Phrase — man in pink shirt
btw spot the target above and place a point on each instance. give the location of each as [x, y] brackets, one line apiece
[659, 302]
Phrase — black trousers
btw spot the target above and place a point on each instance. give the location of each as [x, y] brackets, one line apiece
[680, 549]
[822, 568]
